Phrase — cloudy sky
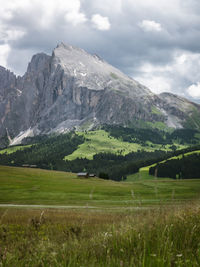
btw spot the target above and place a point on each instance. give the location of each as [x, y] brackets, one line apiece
[157, 42]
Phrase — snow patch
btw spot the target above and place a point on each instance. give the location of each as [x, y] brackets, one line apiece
[81, 64]
[19, 92]
[83, 74]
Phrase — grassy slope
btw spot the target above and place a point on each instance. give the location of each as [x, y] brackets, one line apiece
[35, 186]
[100, 141]
[144, 172]
[13, 149]
[160, 237]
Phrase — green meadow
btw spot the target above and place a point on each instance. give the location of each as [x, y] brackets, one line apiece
[145, 222]
[101, 142]
[13, 149]
[43, 187]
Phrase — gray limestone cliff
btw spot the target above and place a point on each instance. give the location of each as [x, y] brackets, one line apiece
[72, 88]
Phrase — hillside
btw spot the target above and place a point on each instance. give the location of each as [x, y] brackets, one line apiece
[113, 151]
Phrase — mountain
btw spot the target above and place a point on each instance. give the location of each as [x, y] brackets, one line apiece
[72, 88]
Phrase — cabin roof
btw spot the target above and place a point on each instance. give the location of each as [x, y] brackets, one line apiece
[82, 173]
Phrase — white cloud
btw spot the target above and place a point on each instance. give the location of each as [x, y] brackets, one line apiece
[75, 18]
[187, 65]
[100, 22]
[4, 52]
[156, 84]
[171, 77]
[11, 34]
[194, 90]
[105, 6]
[150, 26]
[153, 77]
[45, 12]
[69, 9]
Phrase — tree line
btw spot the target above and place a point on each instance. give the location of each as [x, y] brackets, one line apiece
[141, 135]
[186, 167]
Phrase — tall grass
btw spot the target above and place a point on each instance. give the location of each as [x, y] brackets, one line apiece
[153, 237]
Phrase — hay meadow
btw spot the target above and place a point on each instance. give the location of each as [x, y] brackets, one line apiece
[66, 221]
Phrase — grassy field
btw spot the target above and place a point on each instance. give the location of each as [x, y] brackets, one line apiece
[13, 149]
[100, 141]
[35, 186]
[159, 237]
[109, 223]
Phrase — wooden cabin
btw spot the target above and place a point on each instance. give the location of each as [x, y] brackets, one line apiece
[83, 174]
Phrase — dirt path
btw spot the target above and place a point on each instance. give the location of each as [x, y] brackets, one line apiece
[67, 207]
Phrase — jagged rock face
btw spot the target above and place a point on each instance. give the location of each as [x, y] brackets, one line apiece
[21, 99]
[72, 88]
[9, 93]
[179, 111]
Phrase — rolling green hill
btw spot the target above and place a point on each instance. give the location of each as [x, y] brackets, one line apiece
[101, 142]
[122, 141]
[36, 186]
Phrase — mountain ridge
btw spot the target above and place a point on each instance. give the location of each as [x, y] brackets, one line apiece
[73, 89]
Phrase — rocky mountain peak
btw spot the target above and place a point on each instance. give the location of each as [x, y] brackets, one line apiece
[38, 62]
[73, 88]
[94, 73]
